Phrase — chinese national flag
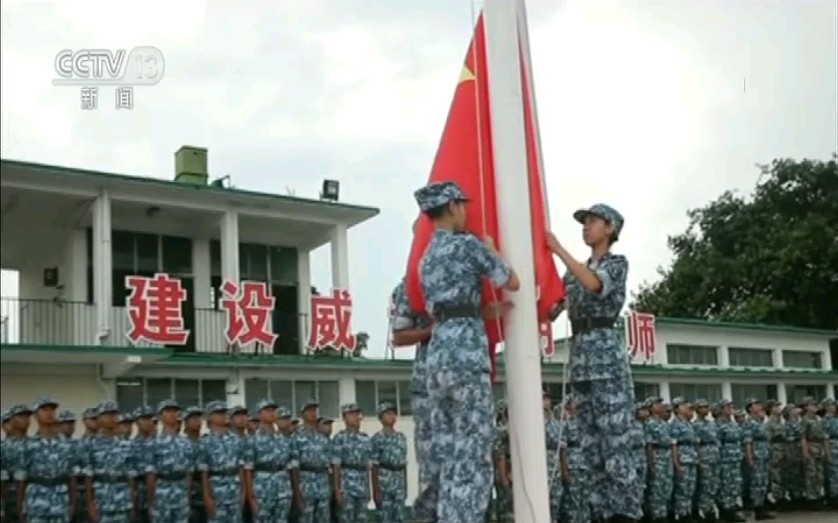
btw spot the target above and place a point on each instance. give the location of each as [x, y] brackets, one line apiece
[465, 156]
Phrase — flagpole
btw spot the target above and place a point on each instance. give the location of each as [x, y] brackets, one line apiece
[521, 337]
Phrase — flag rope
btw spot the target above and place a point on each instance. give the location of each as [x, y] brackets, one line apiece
[499, 325]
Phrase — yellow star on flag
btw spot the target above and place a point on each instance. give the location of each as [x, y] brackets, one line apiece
[466, 74]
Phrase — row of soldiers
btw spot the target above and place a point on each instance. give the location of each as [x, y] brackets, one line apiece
[264, 468]
[697, 461]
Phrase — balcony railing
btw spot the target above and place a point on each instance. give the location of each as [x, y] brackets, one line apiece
[60, 322]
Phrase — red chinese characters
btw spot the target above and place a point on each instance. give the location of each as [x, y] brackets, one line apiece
[155, 310]
[331, 318]
[640, 335]
[545, 336]
[248, 308]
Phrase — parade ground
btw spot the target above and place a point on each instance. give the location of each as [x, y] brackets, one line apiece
[806, 517]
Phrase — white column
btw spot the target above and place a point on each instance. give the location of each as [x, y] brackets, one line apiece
[230, 246]
[346, 391]
[830, 390]
[235, 389]
[782, 395]
[724, 357]
[303, 296]
[102, 267]
[521, 345]
[74, 278]
[340, 257]
[727, 390]
[777, 358]
[201, 273]
[664, 386]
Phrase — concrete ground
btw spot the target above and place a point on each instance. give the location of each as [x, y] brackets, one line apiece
[806, 517]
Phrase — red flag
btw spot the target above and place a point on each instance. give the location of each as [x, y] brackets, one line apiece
[465, 157]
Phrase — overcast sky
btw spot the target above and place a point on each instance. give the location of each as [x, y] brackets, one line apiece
[653, 107]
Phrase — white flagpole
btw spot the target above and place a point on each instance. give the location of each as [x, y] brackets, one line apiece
[522, 354]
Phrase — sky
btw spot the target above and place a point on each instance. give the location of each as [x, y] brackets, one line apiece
[653, 107]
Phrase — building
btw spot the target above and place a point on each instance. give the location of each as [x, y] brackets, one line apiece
[74, 236]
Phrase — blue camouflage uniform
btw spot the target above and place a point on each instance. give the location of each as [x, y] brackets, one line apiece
[637, 439]
[709, 454]
[12, 453]
[552, 439]
[502, 455]
[197, 510]
[352, 452]
[46, 466]
[405, 318]
[830, 425]
[109, 470]
[269, 457]
[458, 366]
[575, 507]
[794, 479]
[82, 449]
[141, 453]
[221, 456]
[314, 452]
[756, 433]
[659, 437]
[171, 463]
[682, 431]
[5, 472]
[730, 460]
[600, 378]
[389, 457]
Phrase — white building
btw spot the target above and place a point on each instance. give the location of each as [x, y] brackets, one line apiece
[74, 235]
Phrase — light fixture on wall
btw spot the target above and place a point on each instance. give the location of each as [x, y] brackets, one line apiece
[330, 190]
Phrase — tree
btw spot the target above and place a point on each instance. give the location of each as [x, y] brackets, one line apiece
[771, 258]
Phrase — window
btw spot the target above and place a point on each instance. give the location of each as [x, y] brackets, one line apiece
[642, 390]
[369, 394]
[796, 393]
[145, 254]
[692, 355]
[741, 393]
[802, 359]
[135, 392]
[292, 394]
[177, 255]
[750, 357]
[694, 391]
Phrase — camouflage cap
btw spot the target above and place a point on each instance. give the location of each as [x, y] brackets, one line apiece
[107, 407]
[125, 417]
[4, 416]
[348, 408]
[19, 410]
[144, 411]
[606, 212]
[283, 412]
[827, 402]
[722, 403]
[386, 406]
[787, 410]
[295, 421]
[680, 400]
[805, 402]
[752, 401]
[739, 413]
[66, 416]
[44, 401]
[90, 413]
[325, 421]
[215, 406]
[266, 403]
[438, 194]
[654, 400]
[236, 410]
[308, 404]
[640, 406]
[771, 403]
[701, 404]
[168, 404]
[194, 410]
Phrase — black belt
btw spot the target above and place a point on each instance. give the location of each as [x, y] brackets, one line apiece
[636, 447]
[759, 439]
[314, 468]
[223, 473]
[794, 440]
[48, 482]
[778, 440]
[105, 478]
[686, 442]
[583, 325]
[573, 444]
[171, 476]
[269, 467]
[388, 466]
[661, 446]
[450, 312]
[815, 440]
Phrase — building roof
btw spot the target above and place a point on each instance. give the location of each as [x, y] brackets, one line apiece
[700, 323]
[86, 177]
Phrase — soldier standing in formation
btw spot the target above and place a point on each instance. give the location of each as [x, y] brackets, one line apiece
[659, 451]
[170, 468]
[458, 366]
[757, 457]
[312, 490]
[141, 452]
[815, 451]
[269, 459]
[389, 467]
[574, 469]
[831, 428]
[109, 471]
[552, 437]
[351, 457]
[778, 443]
[16, 425]
[685, 459]
[709, 454]
[503, 467]
[220, 460]
[599, 372]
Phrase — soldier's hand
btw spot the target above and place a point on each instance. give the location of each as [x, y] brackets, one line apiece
[339, 498]
[209, 505]
[300, 502]
[496, 309]
[376, 498]
[490, 243]
[254, 506]
[93, 513]
[555, 310]
[553, 242]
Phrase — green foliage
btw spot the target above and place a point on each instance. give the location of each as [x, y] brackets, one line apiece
[771, 258]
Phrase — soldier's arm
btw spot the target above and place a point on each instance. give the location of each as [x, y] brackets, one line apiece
[336, 451]
[20, 475]
[375, 459]
[804, 438]
[151, 474]
[491, 265]
[202, 465]
[247, 469]
[405, 332]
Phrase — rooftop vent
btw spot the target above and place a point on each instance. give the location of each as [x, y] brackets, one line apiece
[191, 165]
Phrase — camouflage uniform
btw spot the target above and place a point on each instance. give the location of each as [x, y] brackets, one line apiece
[661, 481]
[12, 453]
[458, 366]
[779, 444]
[46, 466]
[575, 507]
[270, 456]
[314, 451]
[502, 454]
[815, 435]
[600, 378]
[637, 437]
[405, 318]
[552, 437]
[141, 455]
[682, 432]
[730, 464]
[351, 451]
[830, 425]
[172, 462]
[110, 472]
[221, 457]
[710, 453]
[794, 479]
[389, 455]
[756, 433]
[82, 449]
